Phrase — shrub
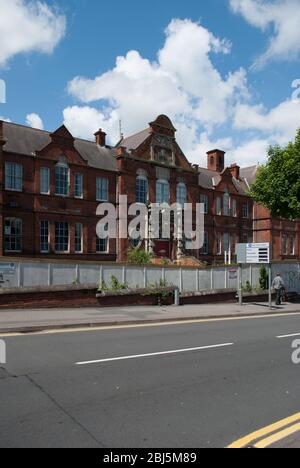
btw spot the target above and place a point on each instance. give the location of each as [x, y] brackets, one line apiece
[158, 291]
[103, 286]
[263, 278]
[139, 256]
[248, 288]
[116, 285]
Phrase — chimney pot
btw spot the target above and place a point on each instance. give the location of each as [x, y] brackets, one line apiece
[100, 137]
[235, 170]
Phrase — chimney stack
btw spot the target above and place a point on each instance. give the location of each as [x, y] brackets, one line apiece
[100, 137]
[2, 139]
[121, 150]
[235, 170]
[216, 160]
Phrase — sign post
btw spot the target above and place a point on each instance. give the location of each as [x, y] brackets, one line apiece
[270, 286]
[254, 254]
[240, 276]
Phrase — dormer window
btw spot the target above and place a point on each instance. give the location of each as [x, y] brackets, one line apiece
[62, 179]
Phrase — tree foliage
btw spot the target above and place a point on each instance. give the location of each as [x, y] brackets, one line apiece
[277, 186]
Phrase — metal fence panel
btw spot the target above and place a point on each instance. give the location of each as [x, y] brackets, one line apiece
[29, 273]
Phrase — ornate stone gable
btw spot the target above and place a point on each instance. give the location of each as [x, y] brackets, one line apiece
[159, 145]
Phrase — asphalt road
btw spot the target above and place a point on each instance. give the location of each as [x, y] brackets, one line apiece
[196, 396]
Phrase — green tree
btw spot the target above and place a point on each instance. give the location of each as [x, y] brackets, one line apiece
[277, 186]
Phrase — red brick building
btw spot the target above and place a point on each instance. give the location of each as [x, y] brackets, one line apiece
[52, 183]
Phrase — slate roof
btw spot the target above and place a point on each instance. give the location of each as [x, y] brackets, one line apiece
[134, 141]
[241, 185]
[26, 141]
[249, 173]
[210, 179]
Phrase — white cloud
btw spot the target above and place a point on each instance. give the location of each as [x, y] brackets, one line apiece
[27, 26]
[251, 152]
[282, 17]
[5, 119]
[282, 121]
[182, 83]
[34, 121]
[85, 121]
[204, 144]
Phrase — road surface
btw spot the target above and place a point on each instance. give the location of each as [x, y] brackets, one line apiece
[203, 384]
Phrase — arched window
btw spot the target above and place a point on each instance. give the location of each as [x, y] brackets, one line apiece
[62, 179]
[181, 194]
[142, 189]
[162, 192]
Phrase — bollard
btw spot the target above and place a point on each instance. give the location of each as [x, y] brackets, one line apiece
[176, 298]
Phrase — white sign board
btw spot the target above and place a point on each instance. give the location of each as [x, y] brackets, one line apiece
[7, 268]
[254, 253]
[258, 253]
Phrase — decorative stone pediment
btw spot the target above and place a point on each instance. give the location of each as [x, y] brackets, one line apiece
[62, 146]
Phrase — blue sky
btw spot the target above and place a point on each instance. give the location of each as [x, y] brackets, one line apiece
[221, 69]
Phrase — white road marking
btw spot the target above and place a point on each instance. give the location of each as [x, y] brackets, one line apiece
[288, 336]
[163, 353]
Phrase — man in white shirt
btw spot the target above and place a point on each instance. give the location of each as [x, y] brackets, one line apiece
[278, 285]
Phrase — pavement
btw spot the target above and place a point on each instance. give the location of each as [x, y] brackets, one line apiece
[183, 385]
[44, 319]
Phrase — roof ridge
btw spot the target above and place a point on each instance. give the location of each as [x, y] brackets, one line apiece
[208, 170]
[135, 134]
[15, 124]
[250, 167]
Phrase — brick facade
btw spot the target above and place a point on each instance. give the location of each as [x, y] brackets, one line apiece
[282, 234]
[32, 207]
[152, 155]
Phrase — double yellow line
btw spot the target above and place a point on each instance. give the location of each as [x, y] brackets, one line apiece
[270, 435]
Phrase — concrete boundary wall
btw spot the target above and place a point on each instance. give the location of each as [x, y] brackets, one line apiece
[30, 273]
